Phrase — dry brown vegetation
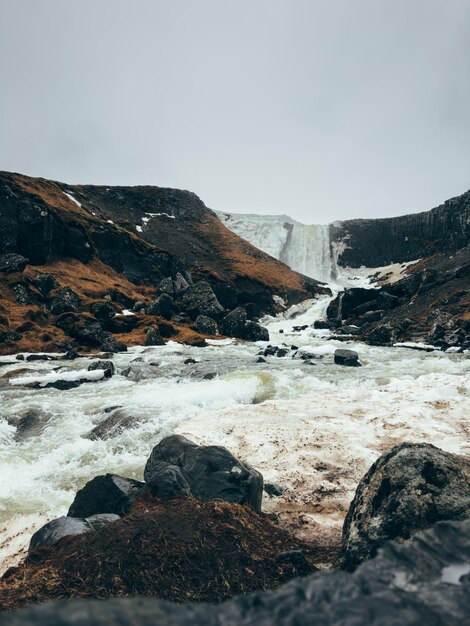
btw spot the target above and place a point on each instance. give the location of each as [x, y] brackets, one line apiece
[179, 550]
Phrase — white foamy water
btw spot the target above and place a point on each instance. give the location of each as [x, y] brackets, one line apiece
[314, 427]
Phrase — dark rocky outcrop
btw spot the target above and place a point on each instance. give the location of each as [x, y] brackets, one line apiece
[407, 489]
[55, 530]
[212, 472]
[425, 581]
[109, 493]
[379, 242]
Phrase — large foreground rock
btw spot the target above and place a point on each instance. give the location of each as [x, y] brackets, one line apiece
[424, 582]
[108, 493]
[408, 489]
[212, 472]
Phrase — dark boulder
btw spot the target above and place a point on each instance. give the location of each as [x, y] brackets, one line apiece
[167, 482]
[383, 335]
[103, 310]
[45, 283]
[199, 299]
[407, 489]
[164, 306]
[233, 324]
[424, 582]
[62, 527]
[167, 286]
[108, 493]
[154, 337]
[11, 263]
[106, 366]
[347, 357]
[212, 472]
[65, 300]
[205, 325]
[255, 332]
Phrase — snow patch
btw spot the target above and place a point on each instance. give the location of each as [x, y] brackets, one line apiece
[70, 197]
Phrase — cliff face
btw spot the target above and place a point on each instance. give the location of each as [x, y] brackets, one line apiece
[99, 241]
[378, 242]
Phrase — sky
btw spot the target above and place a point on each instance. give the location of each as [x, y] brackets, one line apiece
[319, 109]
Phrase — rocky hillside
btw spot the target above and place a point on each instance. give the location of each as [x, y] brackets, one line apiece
[109, 267]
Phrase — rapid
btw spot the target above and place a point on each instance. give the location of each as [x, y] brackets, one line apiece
[310, 426]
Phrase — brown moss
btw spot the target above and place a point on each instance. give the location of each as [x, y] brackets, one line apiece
[178, 550]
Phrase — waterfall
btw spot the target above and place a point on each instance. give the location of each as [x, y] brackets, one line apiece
[304, 248]
[307, 250]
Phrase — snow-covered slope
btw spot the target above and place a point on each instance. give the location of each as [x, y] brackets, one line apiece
[303, 247]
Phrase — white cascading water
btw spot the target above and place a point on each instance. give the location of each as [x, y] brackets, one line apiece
[304, 248]
[307, 251]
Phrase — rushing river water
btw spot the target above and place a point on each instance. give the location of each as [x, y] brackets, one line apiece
[310, 425]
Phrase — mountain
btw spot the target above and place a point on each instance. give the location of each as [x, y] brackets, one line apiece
[74, 256]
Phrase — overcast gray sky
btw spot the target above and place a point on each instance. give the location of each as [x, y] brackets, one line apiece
[319, 109]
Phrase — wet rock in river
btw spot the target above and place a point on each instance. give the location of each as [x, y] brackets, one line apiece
[212, 472]
[108, 493]
[407, 489]
[106, 366]
[30, 423]
[349, 358]
[116, 423]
